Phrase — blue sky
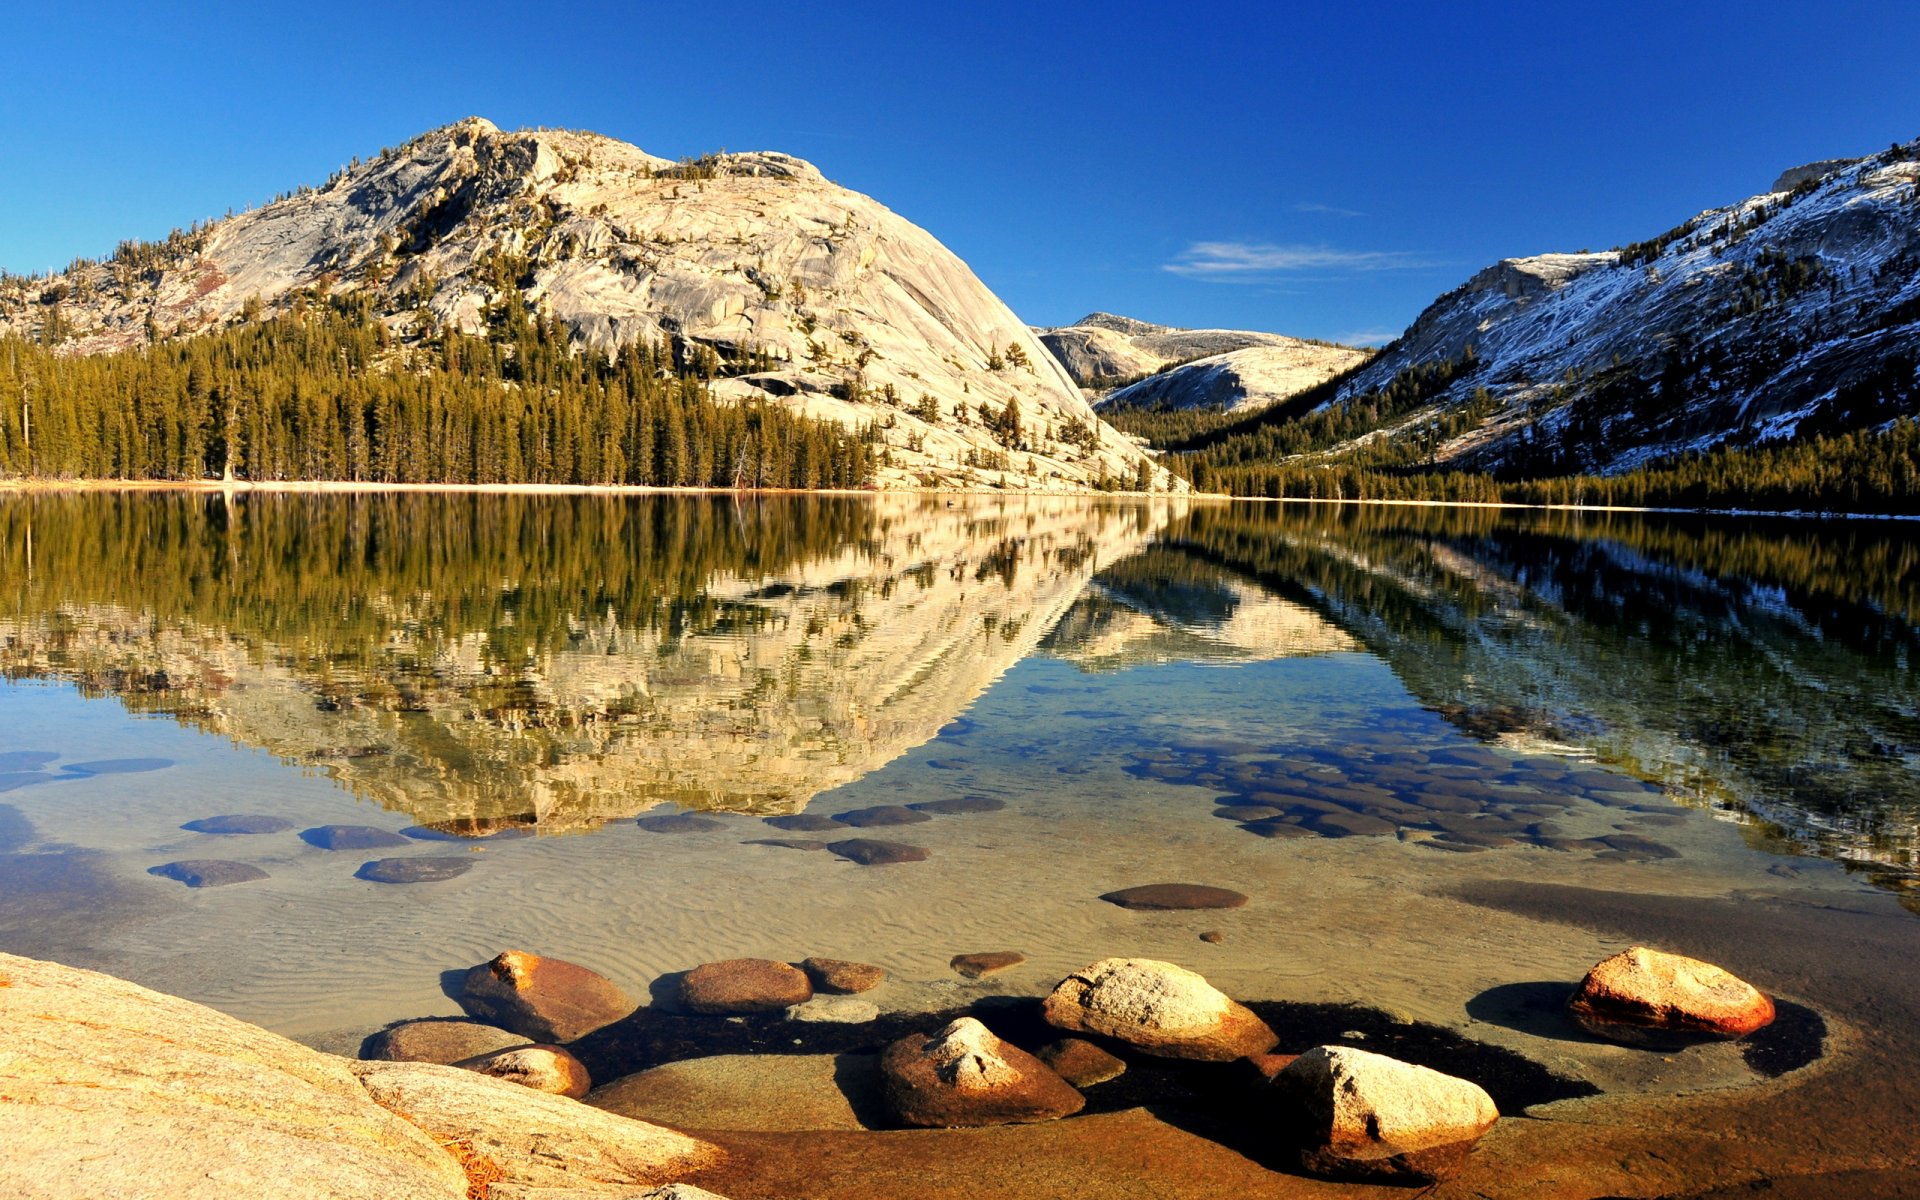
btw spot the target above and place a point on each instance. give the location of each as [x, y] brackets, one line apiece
[1322, 170]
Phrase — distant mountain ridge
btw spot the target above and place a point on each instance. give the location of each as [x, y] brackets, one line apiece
[1792, 313]
[1103, 350]
[795, 291]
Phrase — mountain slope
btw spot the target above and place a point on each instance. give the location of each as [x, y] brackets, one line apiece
[1790, 314]
[1102, 350]
[794, 289]
[1239, 381]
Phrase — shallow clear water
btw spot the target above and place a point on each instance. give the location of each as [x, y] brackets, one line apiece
[1341, 712]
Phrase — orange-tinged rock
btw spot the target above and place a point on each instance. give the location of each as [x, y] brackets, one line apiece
[546, 1069]
[545, 999]
[965, 1076]
[1641, 992]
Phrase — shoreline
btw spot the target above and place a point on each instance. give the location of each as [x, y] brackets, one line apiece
[346, 487]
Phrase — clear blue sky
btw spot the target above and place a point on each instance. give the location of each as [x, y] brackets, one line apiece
[1322, 170]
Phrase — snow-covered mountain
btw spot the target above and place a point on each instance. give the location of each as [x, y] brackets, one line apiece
[1792, 313]
[856, 313]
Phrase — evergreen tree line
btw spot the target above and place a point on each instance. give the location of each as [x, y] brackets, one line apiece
[325, 392]
[1871, 471]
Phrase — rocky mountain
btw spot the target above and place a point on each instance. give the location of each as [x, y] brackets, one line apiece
[1239, 380]
[790, 288]
[1103, 351]
[1794, 312]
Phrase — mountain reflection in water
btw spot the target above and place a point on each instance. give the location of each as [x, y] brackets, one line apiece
[480, 661]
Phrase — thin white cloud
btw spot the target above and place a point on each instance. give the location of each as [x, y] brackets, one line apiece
[1368, 337]
[1326, 210]
[1246, 262]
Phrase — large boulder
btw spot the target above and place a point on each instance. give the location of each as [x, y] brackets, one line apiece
[109, 1090]
[534, 1139]
[1158, 1007]
[965, 1076]
[1643, 996]
[437, 1040]
[840, 975]
[546, 1069]
[547, 999]
[744, 985]
[1367, 1117]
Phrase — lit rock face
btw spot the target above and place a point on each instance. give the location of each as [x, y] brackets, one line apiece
[537, 1139]
[965, 1076]
[1370, 1117]
[95, 1071]
[1157, 1007]
[545, 998]
[1239, 381]
[862, 312]
[1101, 349]
[830, 669]
[1641, 994]
[546, 1069]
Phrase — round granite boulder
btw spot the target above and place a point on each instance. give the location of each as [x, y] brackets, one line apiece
[1157, 1007]
[547, 999]
[744, 985]
[965, 1076]
[546, 1069]
[1647, 997]
[1364, 1117]
[839, 975]
[438, 1040]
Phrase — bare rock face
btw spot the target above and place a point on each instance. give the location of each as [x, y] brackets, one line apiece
[1157, 1007]
[1240, 381]
[536, 1139]
[744, 985]
[671, 1191]
[861, 316]
[1102, 350]
[1643, 996]
[547, 999]
[1373, 1118]
[546, 1069]
[93, 1072]
[965, 1076]
[438, 1041]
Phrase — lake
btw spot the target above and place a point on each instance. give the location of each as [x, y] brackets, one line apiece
[1366, 719]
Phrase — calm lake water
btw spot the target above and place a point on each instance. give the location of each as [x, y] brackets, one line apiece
[1343, 712]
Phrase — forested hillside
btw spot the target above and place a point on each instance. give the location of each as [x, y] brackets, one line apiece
[327, 392]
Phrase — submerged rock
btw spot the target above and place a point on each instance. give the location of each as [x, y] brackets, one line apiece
[96, 1107]
[835, 1010]
[427, 869]
[872, 852]
[1368, 1117]
[543, 1068]
[960, 804]
[536, 1139]
[839, 975]
[350, 837]
[547, 999]
[985, 962]
[881, 814]
[438, 1040]
[679, 823]
[1080, 1062]
[208, 872]
[1641, 995]
[1160, 1008]
[744, 985]
[1175, 896]
[786, 843]
[965, 1076]
[239, 823]
[772, 1092]
[803, 823]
